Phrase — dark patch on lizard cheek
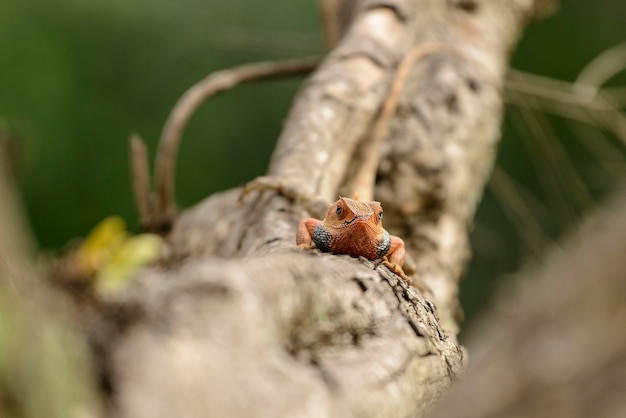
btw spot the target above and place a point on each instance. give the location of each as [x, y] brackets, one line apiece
[383, 246]
[322, 238]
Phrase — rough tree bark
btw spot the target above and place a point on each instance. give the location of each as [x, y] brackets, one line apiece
[554, 344]
[236, 322]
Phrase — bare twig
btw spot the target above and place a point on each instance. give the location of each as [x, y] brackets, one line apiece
[515, 207]
[558, 97]
[616, 94]
[603, 150]
[365, 177]
[336, 16]
[217, 82]
[328, 14]
[140, 174]
[557, 155]
[552, 90]
[554, 182]
[600, 69]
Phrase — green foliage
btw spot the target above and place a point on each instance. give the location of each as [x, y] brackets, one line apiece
[44, 368]
[77, 77]
[112, 256]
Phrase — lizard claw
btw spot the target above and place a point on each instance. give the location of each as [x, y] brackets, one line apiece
[397, 270]
[419, 284]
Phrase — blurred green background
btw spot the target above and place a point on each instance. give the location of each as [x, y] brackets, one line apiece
[77, 77]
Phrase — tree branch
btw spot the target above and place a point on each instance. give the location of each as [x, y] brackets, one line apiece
[551, 346]
[140, 176]
[164, 209]
[236, 322]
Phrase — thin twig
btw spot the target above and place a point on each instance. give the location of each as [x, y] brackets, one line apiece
[616, 94]
[552, 179]
[604, 152]
[553, 90]
[558, 97]
[336, 16]
[329, 9]
[584, 101]
[514, 205]
[600, 70]
[365, 178]
[563, 167]
[140, 174]
[186, 106]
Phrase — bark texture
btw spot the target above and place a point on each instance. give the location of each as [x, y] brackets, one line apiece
[236, 322]
[554, 345]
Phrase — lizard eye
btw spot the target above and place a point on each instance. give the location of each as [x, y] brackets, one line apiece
[339, 211]
[380, 215]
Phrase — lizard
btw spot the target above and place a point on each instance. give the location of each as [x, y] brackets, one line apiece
[354, 227]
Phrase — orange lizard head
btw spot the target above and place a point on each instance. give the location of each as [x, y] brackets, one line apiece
[348, 213]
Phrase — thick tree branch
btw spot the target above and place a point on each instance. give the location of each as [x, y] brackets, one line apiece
[328, 339]
[273, 331]
[554, 342]
[442, 142]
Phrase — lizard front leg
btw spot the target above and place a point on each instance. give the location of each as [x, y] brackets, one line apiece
[394, 259]
[304, 236]
[396, 253]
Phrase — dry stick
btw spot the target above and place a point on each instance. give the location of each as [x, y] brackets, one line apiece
[530, 127]
[558, 97]
[600, 70]
[558, 91]
[615, 94]
[140, 174]
[329, 10]
[607, 155]
[365, 178]
[336, 16]
[516, 209]
[186, 106]
[561, 163]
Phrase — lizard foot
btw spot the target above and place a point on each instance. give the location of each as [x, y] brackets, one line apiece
[419, 284]
[397, 270]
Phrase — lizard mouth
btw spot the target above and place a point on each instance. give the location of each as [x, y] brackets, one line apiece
[360, 222]
[357, 219]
